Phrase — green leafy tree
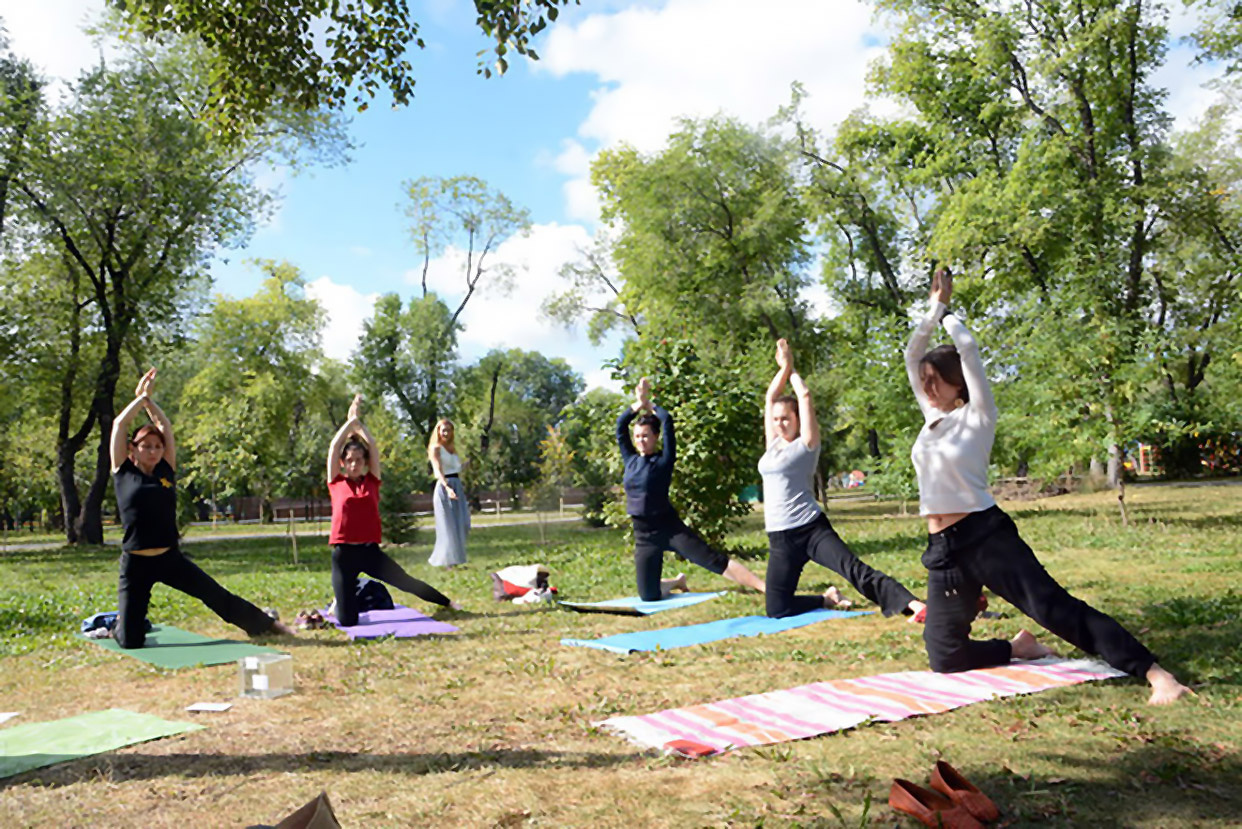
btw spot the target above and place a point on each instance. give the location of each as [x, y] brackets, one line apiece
[716, 215]
[313, 54]
[586, 426]
[405, 356]
[718, 417]
[253, 427]
[504, 404]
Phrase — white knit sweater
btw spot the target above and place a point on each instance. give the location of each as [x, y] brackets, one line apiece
[952, 450]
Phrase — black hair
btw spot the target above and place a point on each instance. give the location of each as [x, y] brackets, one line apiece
[650, 421]
[360, 445]
[948, 364]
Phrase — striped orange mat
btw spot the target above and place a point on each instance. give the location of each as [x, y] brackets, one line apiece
[824, 707]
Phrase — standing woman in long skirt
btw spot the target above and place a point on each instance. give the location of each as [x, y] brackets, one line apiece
[798, 529]
[971, 542]
[354, 485]
[449, 500]
[144, 471]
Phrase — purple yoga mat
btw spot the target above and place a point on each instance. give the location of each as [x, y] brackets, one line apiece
[400, 622]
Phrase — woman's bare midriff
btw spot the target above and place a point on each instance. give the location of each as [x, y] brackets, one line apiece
[154, 551]
[939, 522]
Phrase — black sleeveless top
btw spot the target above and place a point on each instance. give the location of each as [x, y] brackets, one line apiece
[147, 505]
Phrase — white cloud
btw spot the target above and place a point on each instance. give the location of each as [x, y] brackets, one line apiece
[697, 58]
[347, 310]
[512, 318]
[49, 34]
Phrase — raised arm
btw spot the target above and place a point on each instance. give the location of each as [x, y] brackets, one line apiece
[120, 424]
[338, 443]
[668, 452]
[806, 412]
[784, 361]
[373, 463]
[120, 432]
[642, 400]
[623, 432]
[981, 400]
[942, 286]
[162, 423]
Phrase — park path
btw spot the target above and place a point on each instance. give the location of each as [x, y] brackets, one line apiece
[189, 540]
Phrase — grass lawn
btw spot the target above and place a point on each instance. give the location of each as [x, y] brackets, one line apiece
[492, 726]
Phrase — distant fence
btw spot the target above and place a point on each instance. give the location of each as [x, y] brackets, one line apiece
[246, 508]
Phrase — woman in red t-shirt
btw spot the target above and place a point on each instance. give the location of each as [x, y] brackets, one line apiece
[353, 486]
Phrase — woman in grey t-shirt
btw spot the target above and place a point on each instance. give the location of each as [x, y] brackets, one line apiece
[798, 529]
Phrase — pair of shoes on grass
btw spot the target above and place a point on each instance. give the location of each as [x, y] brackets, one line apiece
[310, 620]
[953, 802]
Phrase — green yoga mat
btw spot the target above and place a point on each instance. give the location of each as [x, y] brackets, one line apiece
[33, 746]
[170, 647]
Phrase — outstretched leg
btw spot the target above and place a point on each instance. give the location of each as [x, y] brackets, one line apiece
[826, 548]
[179, 573]
[380, 565]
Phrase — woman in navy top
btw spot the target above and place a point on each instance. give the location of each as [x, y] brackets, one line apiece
[657, 527]
[144, 470]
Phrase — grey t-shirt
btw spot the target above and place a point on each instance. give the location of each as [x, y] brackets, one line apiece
[788, 470]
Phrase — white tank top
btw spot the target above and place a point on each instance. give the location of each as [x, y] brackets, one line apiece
[450, 464]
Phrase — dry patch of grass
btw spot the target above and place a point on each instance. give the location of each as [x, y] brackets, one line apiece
[493, 726]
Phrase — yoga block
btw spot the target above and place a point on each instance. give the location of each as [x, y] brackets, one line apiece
[266, 675]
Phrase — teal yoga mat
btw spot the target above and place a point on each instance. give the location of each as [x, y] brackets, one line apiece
[684, 637]
[35, 745]
[170, 647]
[634, 606]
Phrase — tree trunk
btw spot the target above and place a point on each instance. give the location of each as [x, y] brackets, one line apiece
[873, 443]
[70, 504]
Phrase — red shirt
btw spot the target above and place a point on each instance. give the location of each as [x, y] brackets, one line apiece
[355, 510]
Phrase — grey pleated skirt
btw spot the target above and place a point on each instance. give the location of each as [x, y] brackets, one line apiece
[452, 525]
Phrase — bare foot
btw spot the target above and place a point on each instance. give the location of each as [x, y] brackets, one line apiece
[456, 605]
[1164, 686]
[283, 629]
[834, 600]
[680, 583]
[1026, 646]
[918, 612]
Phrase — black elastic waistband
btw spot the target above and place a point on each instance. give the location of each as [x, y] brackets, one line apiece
[970, 527]
[451, 475]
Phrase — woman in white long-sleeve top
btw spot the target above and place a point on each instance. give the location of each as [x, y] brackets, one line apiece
[972, 543]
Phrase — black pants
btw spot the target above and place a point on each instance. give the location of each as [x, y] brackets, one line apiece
[984, 550]
[140, 573]
[790, 550]
[349, 560]
[652, 536]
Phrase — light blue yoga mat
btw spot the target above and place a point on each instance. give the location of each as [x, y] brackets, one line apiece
[634, 606]
[683, 637]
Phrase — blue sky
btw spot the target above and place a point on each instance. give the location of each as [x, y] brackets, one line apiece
[612, 71]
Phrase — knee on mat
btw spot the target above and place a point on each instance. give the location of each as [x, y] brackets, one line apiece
[129, 643]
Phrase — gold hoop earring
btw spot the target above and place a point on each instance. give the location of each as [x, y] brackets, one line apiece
[959, 403]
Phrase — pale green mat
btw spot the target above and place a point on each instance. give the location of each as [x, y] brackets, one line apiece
[35, 745]
[170, 647]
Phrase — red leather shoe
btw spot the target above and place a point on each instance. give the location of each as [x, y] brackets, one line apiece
[950, 782]
[929, 808]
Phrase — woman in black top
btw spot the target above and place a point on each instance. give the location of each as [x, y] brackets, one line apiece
[144, 470]
[657, 527]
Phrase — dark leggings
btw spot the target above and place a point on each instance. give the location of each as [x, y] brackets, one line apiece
[140, 573]
[984, 550]
[652, 536]
[348, 560]
[790, 550]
